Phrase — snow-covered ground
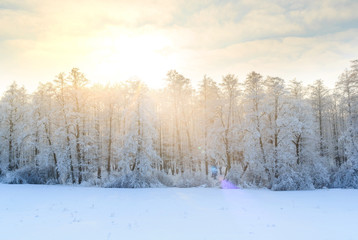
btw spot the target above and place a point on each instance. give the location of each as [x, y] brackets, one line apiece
[66, 212]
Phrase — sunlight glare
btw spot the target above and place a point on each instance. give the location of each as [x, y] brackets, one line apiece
[147, 57]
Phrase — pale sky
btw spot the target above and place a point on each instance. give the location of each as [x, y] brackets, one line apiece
[114, 40]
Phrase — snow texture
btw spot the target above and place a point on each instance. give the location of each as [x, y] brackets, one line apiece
[73, 212]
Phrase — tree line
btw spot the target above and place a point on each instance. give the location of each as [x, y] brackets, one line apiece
[258, 132]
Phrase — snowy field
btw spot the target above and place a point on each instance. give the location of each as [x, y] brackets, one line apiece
[66, 212]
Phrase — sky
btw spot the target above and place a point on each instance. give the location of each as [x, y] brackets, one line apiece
[115, 40]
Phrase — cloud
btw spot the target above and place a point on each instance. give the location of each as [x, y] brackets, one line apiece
[306, 59]
[40, 38]
[219, 25]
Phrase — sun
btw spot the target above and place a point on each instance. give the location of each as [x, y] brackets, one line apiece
[146, 56]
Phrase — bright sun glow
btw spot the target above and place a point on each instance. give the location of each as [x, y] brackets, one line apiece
[147, 57]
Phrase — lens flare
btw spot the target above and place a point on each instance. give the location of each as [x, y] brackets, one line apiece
[225, 184]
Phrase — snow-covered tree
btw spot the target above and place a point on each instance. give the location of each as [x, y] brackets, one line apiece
[208, 105]
[258, 133]
[14, 131]
[256, 171]
[180, 91]
[228, 119]
[43, 116]
[347, 175]
[319, 100]
[138, 157]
